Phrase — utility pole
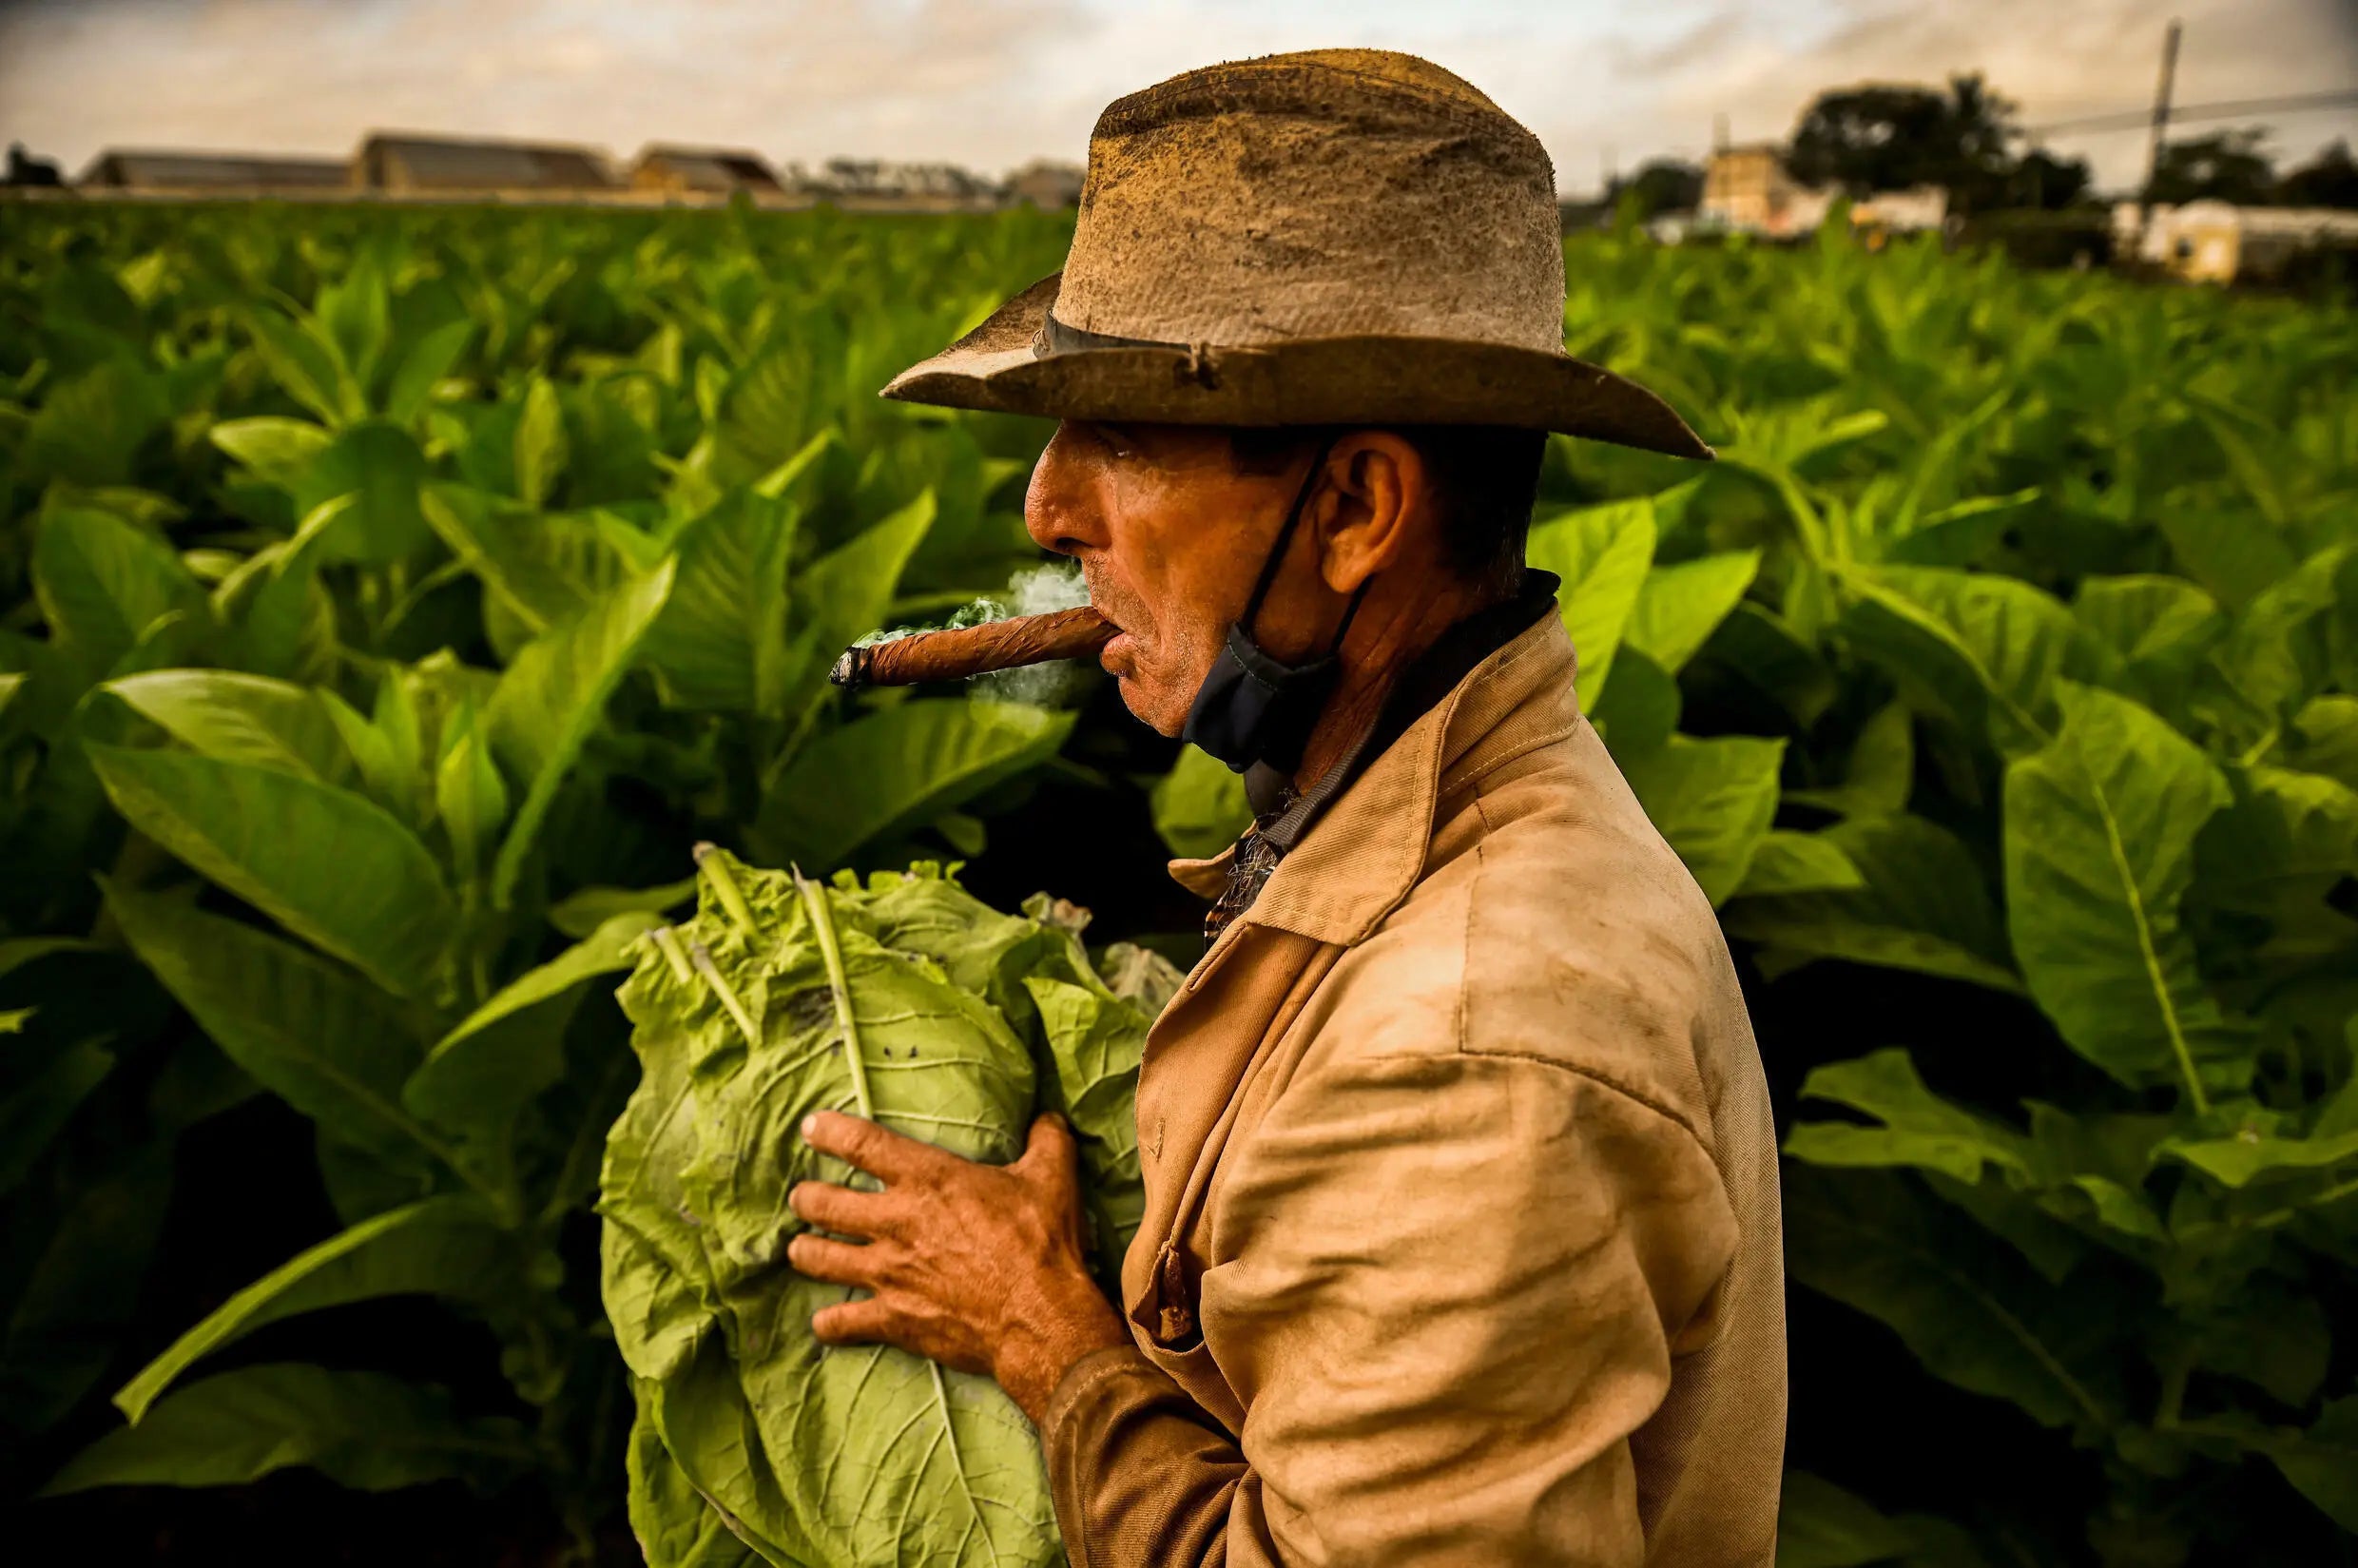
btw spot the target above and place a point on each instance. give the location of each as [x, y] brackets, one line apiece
[2161, 109]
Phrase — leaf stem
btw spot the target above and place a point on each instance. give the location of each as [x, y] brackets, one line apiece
[823, 926]
[667, 943]
[725, 888]
[701, 957]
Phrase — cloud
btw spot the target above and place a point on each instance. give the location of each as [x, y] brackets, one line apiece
[994, 83]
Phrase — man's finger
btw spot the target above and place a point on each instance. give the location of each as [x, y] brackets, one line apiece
[868, 1320]
[1048, 1147]
[846, 1211]
[838, 1262]
[872, 1148]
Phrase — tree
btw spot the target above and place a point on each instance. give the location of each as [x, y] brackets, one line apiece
[2040, 179]
[1891, 137]
[2329, 180]
[2227, 166]
[1660, 186]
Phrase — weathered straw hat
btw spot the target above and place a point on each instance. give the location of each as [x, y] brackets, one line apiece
[1340, 237]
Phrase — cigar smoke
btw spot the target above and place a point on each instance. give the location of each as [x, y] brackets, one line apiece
[1035, 590]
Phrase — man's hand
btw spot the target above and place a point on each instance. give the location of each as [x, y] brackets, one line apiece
[981, 1267]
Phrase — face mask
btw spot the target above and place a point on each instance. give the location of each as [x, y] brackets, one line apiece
[1253, 708]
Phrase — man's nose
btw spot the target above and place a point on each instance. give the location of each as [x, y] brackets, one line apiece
[1058, 507]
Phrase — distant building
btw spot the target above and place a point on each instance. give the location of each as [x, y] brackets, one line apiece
[423, 165]
[29, 173]
[867, 184]
[2217, 243]
[1049, 187]
[1748, 189]
[1902, 211]
[705, 171]
[213, 174]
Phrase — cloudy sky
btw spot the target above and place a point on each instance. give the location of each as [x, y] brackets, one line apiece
[994, 83]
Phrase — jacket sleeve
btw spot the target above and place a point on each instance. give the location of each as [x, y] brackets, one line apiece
[1455, 1285]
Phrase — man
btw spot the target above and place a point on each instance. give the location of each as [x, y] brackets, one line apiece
[1461, 1229]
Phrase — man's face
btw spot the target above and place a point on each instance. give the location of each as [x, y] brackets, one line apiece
[1170, 538]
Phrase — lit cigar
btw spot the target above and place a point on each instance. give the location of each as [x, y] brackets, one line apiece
[966, 651]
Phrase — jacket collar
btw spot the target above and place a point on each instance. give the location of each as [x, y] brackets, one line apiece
[1360, 858]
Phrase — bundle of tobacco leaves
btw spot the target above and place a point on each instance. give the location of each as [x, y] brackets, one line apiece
[908, 1000]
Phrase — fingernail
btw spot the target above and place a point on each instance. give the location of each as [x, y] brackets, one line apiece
[810, 1125]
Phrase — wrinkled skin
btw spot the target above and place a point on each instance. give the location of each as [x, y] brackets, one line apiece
[984, 1268]
[1170, 532]
[981, 1267]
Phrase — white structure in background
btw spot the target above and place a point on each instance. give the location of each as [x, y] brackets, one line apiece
[1748, 189]
[2219, 243]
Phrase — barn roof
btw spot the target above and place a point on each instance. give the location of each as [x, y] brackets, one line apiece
[213, 170]
[444, 163]
[711, 168]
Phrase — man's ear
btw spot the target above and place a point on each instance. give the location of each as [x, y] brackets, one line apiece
[1372, 508]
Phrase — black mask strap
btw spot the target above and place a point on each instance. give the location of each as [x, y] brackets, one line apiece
[1285, 536]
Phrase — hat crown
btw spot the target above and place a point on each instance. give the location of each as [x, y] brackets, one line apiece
[1336, 193]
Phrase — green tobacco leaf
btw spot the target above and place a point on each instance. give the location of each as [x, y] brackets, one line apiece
[580, 914]
[1713, 801]
[361, 1429]
[894, 770]
[67, 1323]
[2240, 1160]
[445, 1246]
[675, 1526]
[788, 1005]
[1094, 1045]
[277, 450]
[1788, 862]
[469, 798]
[2323, 1461]
[2282, 823]
[1981, 651]
[1638, 713]
[553, 695]
[236, 718]
[1926, 907]
[325, 1041]
[480, 1076]
[540, 453]
[2279, 651]
[379, 901]
[1918, 1127]
[102, 583]
[1881, 769]
[2155, 629]
[429, 360]
[34, 1115]
[1199, 806]
[845, 593]
[376, 470]
[722, 641]
[1967, 1308]
[1602, 553]
[1680, 606]
[1820, 1525]
[2099, 850]
[308, 367]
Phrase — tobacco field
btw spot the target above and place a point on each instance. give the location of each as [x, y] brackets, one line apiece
[389, 599]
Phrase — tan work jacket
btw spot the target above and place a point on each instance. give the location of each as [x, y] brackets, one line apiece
[1461, 1236]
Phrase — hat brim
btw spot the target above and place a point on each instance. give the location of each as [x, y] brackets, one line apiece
[1304, 381]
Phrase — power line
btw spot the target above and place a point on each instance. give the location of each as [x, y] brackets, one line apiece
[2142, 119]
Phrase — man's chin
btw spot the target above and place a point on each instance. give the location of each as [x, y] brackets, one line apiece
[1150, 706]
